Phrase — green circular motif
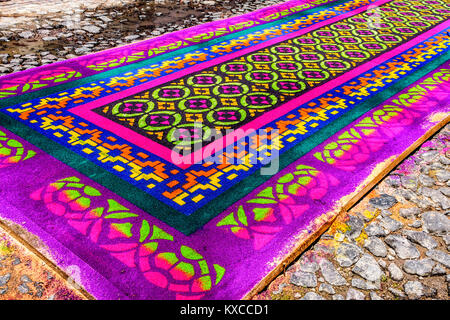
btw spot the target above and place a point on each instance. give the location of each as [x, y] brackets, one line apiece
[335, 26]
[286, 66]
[230, 90]
[132, 108]
[228, 111]
[171, 93]
[202, 80]
[236, 68]
[306, 57]
[187, 131]
[258, 100]
[426, 24]
[284, 50]
[326, 48]
[398, 38]
[366, 46]
[356, 54]
[273, 76]
[174, 119]
[262, 58]
[313, 74]
[328, 64]
[358, 33]
[306, 41]
[341, 40]
[186, 107]
[286, 88]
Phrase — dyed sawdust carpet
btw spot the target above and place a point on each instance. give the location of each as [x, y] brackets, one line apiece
[290, 110]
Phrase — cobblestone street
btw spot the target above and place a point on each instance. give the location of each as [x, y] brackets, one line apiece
[393, 244]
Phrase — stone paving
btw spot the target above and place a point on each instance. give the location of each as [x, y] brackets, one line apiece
[26, 277]
[394, 244]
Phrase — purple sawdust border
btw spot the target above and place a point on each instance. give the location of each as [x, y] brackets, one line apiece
[122, 252]
[81, 67]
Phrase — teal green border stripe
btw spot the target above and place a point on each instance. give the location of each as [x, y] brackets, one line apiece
[189, 224]
[111, 73]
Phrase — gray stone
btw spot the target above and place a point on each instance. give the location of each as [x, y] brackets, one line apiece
[443, 175]
[92, 29]
[356, 225]
[397, 293]
[280, 288]
[382, 263]
[438, 270]
[421, 238]
[395, 272]
[4, 279]
[384, 201]
[409, 182]
[407, 195]
[376, 246]
[49, 39]
[307, 265]
[374, 296]
[435, 222]
[409, 212]
[444, 160]
[353, 294]
[331, 275]
[25, 278]
[421, 267]
[429, 155]
[393, 182]
[374, 229]
[131, 37]
[429, 292]
[23, 288]
[347, 254]
[416, 224]
[391, 224]
[338, 297]
[439, 256]
[3, 290]
[446, 239]
[426, 180]
[26, 34]
[312, 296]
[16, 261]
[403, 248]
[445, 191]
[414, 289]
[105, 19]
[304, 279]
[368, 268]
[325, 287]
[436, 196]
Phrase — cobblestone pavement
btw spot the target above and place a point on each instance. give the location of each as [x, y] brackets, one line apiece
[394, 244]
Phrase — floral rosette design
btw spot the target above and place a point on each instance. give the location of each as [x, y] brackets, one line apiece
[262, 217]
[133, 241]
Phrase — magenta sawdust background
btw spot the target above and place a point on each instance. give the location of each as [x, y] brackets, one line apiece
[122, 252]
